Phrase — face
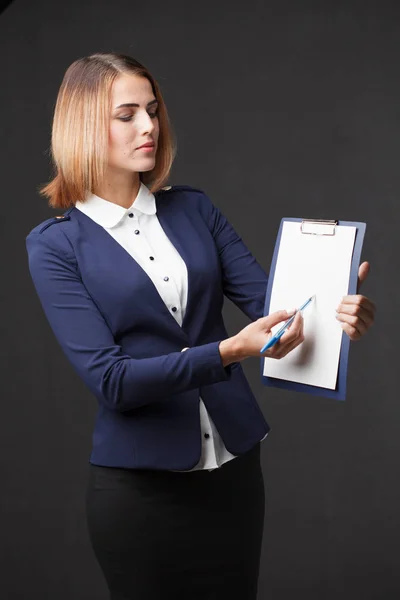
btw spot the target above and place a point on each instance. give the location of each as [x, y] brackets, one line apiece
[133, 122]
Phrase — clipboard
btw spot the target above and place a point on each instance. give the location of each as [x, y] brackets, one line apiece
[318, 227]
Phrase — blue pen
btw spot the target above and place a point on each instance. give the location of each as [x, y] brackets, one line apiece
[277, 336]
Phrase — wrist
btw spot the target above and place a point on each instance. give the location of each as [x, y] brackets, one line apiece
[231, 350]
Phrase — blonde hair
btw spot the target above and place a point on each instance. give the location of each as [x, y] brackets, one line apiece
[79, 142]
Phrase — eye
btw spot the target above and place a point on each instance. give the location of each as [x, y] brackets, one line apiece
[152, 114]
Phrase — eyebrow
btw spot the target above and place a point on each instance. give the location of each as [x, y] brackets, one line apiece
[133, 104]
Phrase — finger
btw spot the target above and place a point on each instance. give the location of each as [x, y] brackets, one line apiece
[352, 314]
[359, 300]
[357, 324]
[290, 339]
[351, 331]
[283, 350]
[294, 330]
[363, 273]
[360, 309]
[276, 317]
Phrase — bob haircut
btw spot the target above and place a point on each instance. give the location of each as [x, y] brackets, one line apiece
[79, 141]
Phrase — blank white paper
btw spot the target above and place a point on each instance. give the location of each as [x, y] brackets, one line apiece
[307, 265]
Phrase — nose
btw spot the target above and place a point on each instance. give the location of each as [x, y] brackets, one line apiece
[145, 123]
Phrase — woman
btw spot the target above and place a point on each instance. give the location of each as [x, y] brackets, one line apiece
[132, 279]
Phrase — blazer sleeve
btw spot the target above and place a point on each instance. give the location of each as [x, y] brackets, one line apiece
[119, 381]
[244, 280]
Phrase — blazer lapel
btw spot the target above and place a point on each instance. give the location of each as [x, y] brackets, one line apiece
[104, 243]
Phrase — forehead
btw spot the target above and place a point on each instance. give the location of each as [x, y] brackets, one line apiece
[131, 88]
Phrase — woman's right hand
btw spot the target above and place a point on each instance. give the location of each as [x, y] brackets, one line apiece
[249, 341]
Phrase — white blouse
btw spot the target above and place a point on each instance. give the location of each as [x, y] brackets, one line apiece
[138, 230]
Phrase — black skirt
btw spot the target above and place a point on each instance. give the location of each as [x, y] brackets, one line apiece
[184, 536]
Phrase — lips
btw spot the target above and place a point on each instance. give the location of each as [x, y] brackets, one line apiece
[147, 145]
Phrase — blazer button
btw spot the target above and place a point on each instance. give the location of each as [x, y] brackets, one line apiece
[206, 435]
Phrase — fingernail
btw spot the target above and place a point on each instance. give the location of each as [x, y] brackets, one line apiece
[291, 312]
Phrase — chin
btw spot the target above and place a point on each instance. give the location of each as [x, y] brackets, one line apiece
[144, 165]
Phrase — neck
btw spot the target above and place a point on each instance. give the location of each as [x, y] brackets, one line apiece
[119, 188]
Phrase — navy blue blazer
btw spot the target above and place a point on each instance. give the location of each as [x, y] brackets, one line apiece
[126, 346]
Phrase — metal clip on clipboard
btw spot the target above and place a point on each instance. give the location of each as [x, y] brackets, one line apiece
[318, 226]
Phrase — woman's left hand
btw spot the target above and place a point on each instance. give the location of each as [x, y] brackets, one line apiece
[357, 312]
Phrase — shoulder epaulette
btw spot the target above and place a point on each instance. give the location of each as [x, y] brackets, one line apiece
[178, 188]
[57, 219]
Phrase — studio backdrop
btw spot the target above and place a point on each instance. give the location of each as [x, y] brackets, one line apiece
[279, 109]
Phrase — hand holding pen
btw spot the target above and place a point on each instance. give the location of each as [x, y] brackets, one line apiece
[282, 330]
[251, 338]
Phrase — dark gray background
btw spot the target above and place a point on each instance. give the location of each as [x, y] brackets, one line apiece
[280, 109]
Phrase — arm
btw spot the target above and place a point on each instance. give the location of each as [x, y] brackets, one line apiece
[244, 280]
[119, 381]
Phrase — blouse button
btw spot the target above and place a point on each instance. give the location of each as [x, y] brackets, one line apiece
[137, 231]
[166, 278]
[151, 257]
[206, 435]
[131, 215]
[174, 309]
